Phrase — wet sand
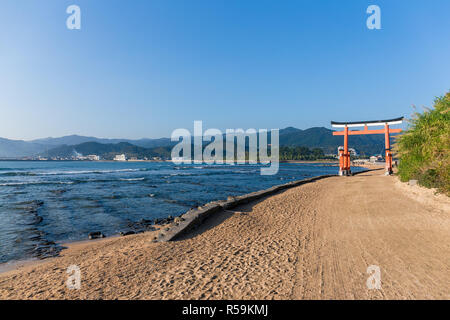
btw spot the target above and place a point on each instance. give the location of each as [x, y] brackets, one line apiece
[314, 241]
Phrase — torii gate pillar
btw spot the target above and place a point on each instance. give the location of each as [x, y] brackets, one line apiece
[388, 155]
[344, 170]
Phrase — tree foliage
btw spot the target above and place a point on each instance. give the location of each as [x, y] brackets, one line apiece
[301, 153]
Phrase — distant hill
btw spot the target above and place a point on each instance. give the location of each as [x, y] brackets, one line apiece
[107, 151]
[19, 148]
[318, 137]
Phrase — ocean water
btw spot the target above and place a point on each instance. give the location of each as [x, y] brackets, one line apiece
[46, 203]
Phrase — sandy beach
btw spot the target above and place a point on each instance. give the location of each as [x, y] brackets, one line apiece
[314, 241]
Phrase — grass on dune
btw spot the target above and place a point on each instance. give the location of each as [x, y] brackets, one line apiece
[424, 148]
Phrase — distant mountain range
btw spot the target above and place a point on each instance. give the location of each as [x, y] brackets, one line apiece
[319, 137]
[75, 139]
[19, 148]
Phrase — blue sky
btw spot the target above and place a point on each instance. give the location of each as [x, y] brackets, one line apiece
[143, 68]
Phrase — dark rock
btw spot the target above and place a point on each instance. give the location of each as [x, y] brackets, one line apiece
[164, 221]
[37, 203]
[178, 219]
[126, 233]
[96, 235]
[46, 250]
[145, 221]
[34, 238]
[141, 225]
[48, 243]
[36, 220]
[60, 191]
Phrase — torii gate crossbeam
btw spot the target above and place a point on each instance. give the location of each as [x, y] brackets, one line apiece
[344, 156]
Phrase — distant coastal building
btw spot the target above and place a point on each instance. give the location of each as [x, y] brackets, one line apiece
[373, 159]
[180, 159]
[93, 157]
[120, 157]
[353, 152]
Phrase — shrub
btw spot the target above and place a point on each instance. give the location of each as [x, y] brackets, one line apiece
[424, 148]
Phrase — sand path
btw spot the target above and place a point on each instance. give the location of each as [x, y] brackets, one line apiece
[314, 241]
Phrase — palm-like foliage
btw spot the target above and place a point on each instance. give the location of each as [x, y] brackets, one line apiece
[424, 149]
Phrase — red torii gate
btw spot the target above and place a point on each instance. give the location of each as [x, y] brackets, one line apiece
[344, 156]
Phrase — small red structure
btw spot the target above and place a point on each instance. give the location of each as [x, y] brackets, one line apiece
[344, 156]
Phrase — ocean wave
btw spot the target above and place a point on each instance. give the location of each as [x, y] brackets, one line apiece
[56, 173]
[15, 174]
[174, 175]
[12, 184]
[89, 171]
[72, 181]
[211, 173]
[246, 171]
[132, 179]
